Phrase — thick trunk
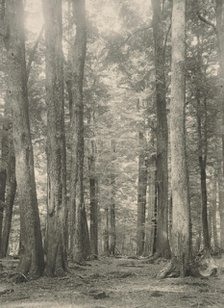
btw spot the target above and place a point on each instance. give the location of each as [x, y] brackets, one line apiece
[180, 243]
[142, 188]
[162, 243]
[56, 211]
[31, 258]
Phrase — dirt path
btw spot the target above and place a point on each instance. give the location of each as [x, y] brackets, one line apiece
[115, 283]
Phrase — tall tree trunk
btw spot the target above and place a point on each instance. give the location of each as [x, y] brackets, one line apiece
[180, 243]
[162, 243]
[150, 221]
[10, 193]
[202, 157]
[80, 249]
[213, 206]
[56, 210]
[106, 233]
[2, 180]
[112, 219]
[93, 202]
[142, 188]
[220, 38]
[31, 257]
[221, 204]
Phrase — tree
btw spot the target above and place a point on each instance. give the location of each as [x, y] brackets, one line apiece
[162, 243]
[56, 169]
[81, 245]
[31, 253]
[180, 242]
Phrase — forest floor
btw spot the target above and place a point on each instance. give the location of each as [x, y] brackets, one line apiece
[114, 282]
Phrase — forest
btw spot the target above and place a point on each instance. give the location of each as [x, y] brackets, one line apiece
[112, 153]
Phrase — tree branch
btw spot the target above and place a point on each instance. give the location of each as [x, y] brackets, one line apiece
[208, 22]
[33, 52]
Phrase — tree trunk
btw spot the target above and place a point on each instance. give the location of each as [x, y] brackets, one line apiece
[112, 220]
[202, 152]
[162, 243]
[142, 188]
[220, 38]
[180, 243]
[31, 257]
[10, 194]
[106, 234]
[93, 202]
[151, 221]
[56, 211]
[221, 204]
[77, 129]
[213, 206]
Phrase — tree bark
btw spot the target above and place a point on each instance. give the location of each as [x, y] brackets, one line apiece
[10, 193]
[77, 138]
[31, 257]
[56, 210]
[106, 234]
[162, 243]
[221, 204]
[142, 188]
[180, 243]
[93, 202]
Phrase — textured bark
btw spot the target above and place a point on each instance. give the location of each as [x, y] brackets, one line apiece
[10, 193]
[31, 257]
[150, 221]
[56, 210]
[220, 39]
[213, 212]
[202, 158]
[106, 234]
[93, 202]
[162, 243]
[142, 187]
[77, 135]
[112, 219]
[221, 204]
[180, 243]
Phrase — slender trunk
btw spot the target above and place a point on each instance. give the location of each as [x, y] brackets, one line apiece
[112, 219]
[202, 157]
[220, 39]
[213, 214]
[93, 202]
[162, 243]
[106, 234]
[56, 211]
[142, 188]
[77, 129]
[221, 204]
[179, 182]
[9, 197]
[31, 257]
[150, 222]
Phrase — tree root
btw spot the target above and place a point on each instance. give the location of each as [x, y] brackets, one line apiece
[203, 267]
